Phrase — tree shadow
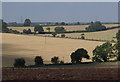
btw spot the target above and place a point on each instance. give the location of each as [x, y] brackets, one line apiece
[8, 58]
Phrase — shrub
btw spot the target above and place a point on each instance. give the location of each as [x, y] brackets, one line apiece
[55, 60]
[62, 35]
[54, 34]
[38, 29]
[59, 29]
[19, 62]
[38, 60]
[61, 62]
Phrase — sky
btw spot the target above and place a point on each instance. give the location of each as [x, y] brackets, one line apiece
[60, 11]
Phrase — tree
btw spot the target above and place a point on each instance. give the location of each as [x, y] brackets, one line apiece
[38, 60]
[59, 29]
[56, 23]
[54, 34]
[62, 35]
[118, 44]
[63, 23]
[19, 62]
[76, 57]
[95, 26]
[27, 31]
[78, 23]
[82, 36]
[27, 22]
[55, 60]
[38, 29]
[4, 26]
[103, 52]
[48, 29]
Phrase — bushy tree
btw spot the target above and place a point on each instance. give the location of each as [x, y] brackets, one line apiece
[76, 57]
[54, 34]
[63, 23]
[38, 60]
[39, 29]
[48, 29]
[59, 29]
[118, 44]
[19, 62]
[83, 36]
[4, 26]
[27, 22]
[95, 26]
[103, 52]
[55, 60]
[62, 35]
[27, 31]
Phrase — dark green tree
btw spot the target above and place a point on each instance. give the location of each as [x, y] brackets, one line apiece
[55, 60]
[118, 44]
[59, 29]
[38, 29]
[76, 57]
[62, 35]
[48, 29]
[19, 62]
[38, 60]
[95, 26]
[4, 26]
[82, 36]
[54, 34]
[27, 22]
[103, 52]
[63, 23]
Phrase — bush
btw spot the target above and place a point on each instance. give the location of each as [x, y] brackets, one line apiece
[61, 62]
[62, 35]
[54, 34]
[55, 60]
[38, 29]
[59, 29]
[38, 60]
[19, 62]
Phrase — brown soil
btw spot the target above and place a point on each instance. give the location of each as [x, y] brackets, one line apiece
[83, 73]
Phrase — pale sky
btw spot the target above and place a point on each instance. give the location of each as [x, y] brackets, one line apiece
[60, 11]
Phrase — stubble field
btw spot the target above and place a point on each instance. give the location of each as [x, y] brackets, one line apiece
[26, 46]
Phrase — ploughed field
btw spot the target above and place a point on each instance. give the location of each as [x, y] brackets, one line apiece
[83, 73]
[29, 46]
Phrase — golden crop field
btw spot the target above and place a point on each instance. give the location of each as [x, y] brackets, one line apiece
[108, 35]
[101, 35]
[29, 46]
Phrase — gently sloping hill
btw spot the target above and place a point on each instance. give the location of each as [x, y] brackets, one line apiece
[28, 47]
[101, 35]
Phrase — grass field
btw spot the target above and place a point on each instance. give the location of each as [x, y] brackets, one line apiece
[68, 27]
[26, 46]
